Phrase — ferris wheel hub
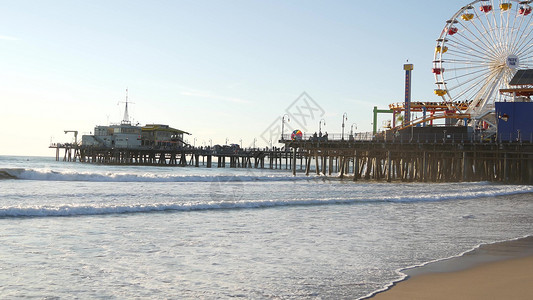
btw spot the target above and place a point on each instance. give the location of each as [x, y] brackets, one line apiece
[513, 61]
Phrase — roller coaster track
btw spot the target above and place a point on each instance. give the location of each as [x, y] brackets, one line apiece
[433, 117]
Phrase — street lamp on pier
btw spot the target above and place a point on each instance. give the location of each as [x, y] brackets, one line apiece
[283, 124]
[344, 118]
[351, 130]
[322, 121]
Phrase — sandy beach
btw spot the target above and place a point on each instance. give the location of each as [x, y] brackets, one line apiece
[496, 271]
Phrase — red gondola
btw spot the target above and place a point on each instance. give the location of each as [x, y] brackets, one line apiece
[437, 71]
[452, 30]
[525, 10]
[485, 8]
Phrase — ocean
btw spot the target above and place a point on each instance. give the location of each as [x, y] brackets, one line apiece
[134, 232]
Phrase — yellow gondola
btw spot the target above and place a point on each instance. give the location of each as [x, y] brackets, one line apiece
[441, 49]
[505, 6]
[467, 17]
[440, 92]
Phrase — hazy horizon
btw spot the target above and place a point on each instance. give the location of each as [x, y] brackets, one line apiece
[219, 70]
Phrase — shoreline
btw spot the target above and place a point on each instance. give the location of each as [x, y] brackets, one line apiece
[500, 269]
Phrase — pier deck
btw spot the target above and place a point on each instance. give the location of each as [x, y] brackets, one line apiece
[415, 160]
[437, 160]
[273, 158]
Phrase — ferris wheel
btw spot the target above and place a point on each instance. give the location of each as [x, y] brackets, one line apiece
[478, 52]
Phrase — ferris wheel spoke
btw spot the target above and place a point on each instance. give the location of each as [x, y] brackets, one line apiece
[467, 53]
[504, 28]
[492, 26]
[487, 34]
[466, 62]
[522, 40]
[509, 36]
[525, 49]
[513, 29]
[503, 22]
[524, 37]
[465, 68]
[482, 37]
[465, 56]
[477, 73]
[508, 76]
[523, 46]
[470, 91]
[481, 77]
[469, 48]
[501, 36]
[521, 29]
[464, 38]
[484, 42]
[526, 58]
[489, 89]
[478, 86]
[516, 32]
[483, 95]
[468, 86]
[462, 45]
[455, 47]
[527, 40]
[499, 24]
[494, 23]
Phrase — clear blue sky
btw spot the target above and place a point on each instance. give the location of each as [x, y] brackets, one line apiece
[217, 69]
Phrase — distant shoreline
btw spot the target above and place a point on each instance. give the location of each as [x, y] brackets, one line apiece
[498, 270]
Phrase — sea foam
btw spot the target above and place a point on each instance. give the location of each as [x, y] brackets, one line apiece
[51, 175]
[104, 208]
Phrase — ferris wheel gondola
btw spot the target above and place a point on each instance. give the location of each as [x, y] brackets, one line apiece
[478, 52]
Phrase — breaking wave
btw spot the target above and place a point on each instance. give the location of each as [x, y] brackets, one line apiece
[50, 175]
[108, 209]
[10, 173]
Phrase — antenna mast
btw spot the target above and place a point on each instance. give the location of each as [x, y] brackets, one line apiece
[126, 118]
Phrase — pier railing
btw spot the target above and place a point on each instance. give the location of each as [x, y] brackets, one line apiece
[360, 136]
[435, 138]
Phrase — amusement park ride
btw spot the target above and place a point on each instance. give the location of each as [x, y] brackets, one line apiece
[479, 51]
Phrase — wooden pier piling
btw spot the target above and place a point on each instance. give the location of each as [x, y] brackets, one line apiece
[446, 161]
[421, 161]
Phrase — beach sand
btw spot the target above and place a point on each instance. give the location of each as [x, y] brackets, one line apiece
[495, 271]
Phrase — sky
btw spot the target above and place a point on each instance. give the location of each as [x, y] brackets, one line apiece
[220, 70]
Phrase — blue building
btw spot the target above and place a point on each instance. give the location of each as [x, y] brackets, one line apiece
[515, 116]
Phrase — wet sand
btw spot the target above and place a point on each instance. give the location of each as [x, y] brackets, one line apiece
[495, 271]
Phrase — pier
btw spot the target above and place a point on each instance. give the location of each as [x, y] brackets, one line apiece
[271, 158]
[436, 158]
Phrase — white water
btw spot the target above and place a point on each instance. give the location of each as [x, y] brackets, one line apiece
[147, 232]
